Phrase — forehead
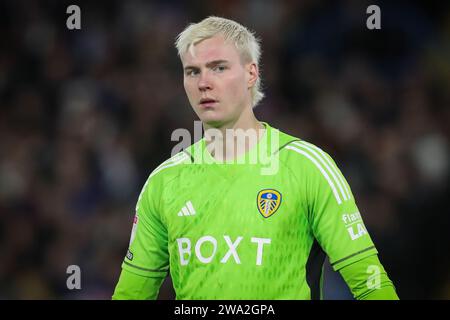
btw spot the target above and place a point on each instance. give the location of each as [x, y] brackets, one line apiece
[214, 48]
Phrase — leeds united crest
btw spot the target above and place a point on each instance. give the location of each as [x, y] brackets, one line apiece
[268, 201]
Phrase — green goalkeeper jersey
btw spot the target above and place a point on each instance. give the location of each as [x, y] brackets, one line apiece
[258, 227]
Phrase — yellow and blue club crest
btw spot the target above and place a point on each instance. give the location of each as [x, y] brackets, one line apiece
[268, 201]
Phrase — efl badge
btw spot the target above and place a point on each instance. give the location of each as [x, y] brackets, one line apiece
[134, 229]
[269, 201]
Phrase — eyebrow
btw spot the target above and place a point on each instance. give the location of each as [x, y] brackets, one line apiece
[208, 64]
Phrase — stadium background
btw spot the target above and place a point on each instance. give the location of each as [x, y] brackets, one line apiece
[85, 116]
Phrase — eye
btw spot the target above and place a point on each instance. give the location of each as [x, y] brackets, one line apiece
[191, 72]
[220, 68]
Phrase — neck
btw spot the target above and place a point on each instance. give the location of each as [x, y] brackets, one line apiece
[230, 140]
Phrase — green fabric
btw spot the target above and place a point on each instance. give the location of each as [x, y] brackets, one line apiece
[132, 286]
[216, 227]
[368, 280]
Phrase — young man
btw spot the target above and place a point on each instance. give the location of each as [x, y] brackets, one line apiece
[251, 218]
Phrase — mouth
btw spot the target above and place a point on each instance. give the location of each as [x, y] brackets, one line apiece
[207, 102]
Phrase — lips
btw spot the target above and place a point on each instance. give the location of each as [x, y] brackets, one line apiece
[207, 102]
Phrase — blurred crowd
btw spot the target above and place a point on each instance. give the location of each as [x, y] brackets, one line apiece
[86, 115]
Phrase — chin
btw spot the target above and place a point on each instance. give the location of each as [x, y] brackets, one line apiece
[213, 122]
[212, 119]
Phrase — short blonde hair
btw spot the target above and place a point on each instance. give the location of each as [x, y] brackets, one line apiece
[245, 41]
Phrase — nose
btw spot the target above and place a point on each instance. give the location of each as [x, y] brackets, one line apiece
[204, 82]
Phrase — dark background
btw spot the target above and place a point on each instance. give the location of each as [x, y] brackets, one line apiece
[86, 115]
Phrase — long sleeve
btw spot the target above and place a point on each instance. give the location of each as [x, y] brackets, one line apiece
[146, 263]
[132, 286]
[339, 228]
[368, 280]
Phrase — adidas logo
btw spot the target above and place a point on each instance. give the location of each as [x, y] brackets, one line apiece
[187, 210]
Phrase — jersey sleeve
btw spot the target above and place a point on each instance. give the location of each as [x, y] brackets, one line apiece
[132, 286]
[368, 280]
[147, 257]
[333, 214]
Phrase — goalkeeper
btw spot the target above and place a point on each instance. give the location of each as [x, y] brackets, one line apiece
[252, 218]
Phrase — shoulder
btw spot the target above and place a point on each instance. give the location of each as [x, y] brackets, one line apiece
[171, 167]
[297, 152]
[168, 170]
[302, 153]
[305, 158]
[313, 165]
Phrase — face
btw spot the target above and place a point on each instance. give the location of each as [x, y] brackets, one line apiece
[217, 83]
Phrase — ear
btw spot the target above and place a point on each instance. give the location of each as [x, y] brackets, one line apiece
[252, 74]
